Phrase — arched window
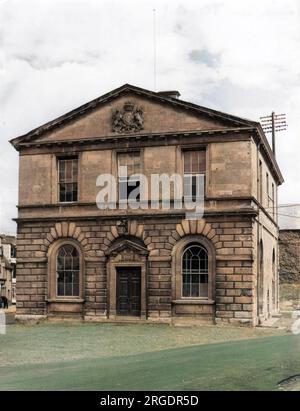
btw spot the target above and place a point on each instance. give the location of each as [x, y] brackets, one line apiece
[195, 271]
[67, 271]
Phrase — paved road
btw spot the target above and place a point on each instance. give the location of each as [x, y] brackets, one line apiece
[10, 318]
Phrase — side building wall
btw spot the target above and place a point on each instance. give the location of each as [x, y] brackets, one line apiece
[289, 256]
[266, 267]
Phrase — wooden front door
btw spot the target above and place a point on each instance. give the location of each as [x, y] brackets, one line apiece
[129, 291]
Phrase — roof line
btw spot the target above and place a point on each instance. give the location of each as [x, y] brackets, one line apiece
[83, 109]
[36, 132]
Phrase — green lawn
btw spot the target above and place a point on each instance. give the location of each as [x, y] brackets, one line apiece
[145, 357]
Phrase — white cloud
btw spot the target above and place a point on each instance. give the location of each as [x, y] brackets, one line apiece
[58, 54]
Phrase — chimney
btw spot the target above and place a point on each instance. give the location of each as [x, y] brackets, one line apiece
[169, 94]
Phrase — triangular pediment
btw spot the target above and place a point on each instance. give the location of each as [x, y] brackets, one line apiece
[126, 245]
[130, 110]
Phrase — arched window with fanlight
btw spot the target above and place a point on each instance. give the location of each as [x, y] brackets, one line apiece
[68, 271]
[195, 271]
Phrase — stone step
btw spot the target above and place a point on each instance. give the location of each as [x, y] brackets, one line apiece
[56, 318]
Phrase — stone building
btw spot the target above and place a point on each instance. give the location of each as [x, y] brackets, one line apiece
[289, 256]
[151, 264]
[289, 244]
[8, 267]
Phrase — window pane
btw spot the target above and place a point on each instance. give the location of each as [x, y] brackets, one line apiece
[75, 276]
[131, 186]
[62, 193]
[60, 283]
[75, 288]
[68, 289]
[195, 264]
[195, 162]
[123, 189]
[69, 173]
[193, 185]
[60, 264]
[68, 192]
[76, 263]
[186, 290]
[62, 170]
[201, 162]
[187, 162]
[75, 169]
[203, 290]
[195, 290]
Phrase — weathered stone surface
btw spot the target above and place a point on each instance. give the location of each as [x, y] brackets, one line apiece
[289, 256]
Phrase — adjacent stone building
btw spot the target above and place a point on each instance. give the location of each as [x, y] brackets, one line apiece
[289, 256]
[151, 264]
[289, 244]
[8, 267]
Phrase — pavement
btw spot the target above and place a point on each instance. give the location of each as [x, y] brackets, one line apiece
[288, 319]
[9, 314]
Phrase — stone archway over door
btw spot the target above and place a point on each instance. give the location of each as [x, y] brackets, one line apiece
[126, 272]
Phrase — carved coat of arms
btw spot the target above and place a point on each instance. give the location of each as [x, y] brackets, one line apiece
[130, 118]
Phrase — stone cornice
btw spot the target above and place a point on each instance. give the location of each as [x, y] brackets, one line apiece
[134, 137]
[92, 105]
[239, 212]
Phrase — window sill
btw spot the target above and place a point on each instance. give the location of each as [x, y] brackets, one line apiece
[63, 203]
[65, 300]
[194, 302]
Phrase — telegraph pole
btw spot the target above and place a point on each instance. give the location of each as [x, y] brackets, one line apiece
[272, 124]
[154, 50]
[273, 134]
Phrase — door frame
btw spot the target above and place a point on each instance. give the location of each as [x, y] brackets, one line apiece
[112, 287]
[128, 269]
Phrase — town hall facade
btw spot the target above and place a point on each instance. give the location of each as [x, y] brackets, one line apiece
[78, 260]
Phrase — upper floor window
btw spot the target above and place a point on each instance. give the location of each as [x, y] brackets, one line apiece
[270, 197]
[13, 251]
[194, 167]
[129, 166]
[68, 179]
[268, 190]
[14, 271]
[260, 183]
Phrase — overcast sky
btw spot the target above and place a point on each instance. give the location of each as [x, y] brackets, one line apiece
[242, 57]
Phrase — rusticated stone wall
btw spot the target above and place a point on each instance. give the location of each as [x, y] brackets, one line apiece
[289, 256]
[231, 237]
